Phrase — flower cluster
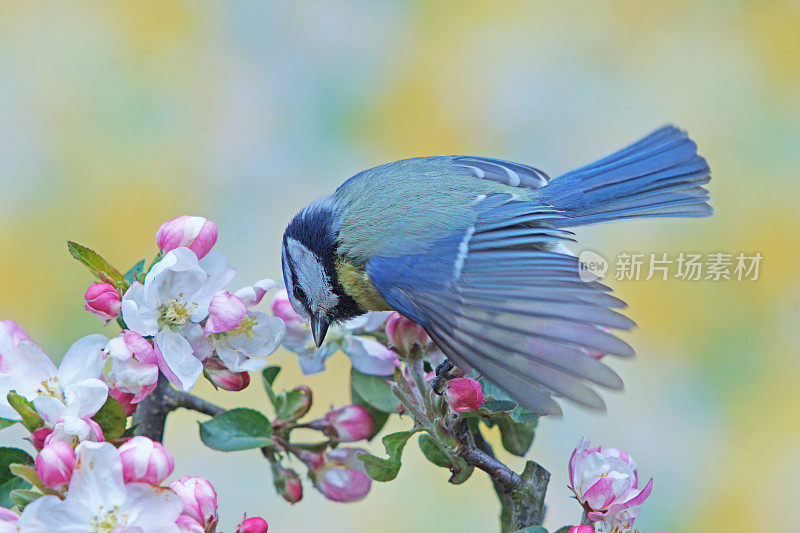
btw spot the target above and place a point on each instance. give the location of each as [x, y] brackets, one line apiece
[606, 483]
[98, 487]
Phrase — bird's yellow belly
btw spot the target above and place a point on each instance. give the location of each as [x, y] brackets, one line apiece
[356, 283]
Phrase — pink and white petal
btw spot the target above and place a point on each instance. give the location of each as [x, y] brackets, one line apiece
[139, 314]
[201, 344]
[97, 479]
[236, 361]
[151, 508]
[141, 347]
[641, 496]
[49, 408]
[600, 495]
[253, 294]
[370, 356]
[313, 361]
[225, 312]
[11, 334]
[176, 358]
[50, 514]
[177, 272]
[28, 361]
[218, 275]
[86, 397]
[84, 359]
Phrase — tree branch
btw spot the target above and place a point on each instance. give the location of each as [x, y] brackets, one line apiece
[151, 413]
[521, 496]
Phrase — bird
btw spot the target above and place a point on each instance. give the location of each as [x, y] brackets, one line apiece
[473, 249]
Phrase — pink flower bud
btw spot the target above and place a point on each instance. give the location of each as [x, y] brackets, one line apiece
[287, 484]
[103, 300]
[124, 399]
[606, 483]
[343, 478]
[581, 529]
[146, 461]
[404, 334]
[218, 374]
[254, 524]
[199, 500]
[464, 394]
[55, 463]
[39, 436]
[196, 233]
[348, 424]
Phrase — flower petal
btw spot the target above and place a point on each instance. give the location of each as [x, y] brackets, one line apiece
[97, 479]
[253, 294]
[225, 312]
[176, 358]
[84, 359]
[86, 397]
[370, 356]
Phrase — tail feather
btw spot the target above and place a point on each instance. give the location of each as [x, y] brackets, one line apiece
[659, 176]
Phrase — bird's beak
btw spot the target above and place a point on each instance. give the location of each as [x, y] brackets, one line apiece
[319, 327]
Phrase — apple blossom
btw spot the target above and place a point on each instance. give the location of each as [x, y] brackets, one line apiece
[366, 354]
[581, 529]
[187, 524]
[404, 334]
[237, 334]
[196, 233]
[254, 524]
[342, 477]
[124, 399]
[347, 424]
[103, 300]
[606, 483]
[199, 500]
[98, 499]
[8, 521]
[216, 372]
[176, 293]
[55, 464]
[464, 394]
[65, 397]
[134, 367]
[287, 483]
[145, 460]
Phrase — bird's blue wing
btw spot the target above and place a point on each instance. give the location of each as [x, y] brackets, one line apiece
[494, 299]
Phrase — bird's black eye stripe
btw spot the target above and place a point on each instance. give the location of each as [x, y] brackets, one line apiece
[299, 293]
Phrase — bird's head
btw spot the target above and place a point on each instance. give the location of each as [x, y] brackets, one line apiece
[309, 253]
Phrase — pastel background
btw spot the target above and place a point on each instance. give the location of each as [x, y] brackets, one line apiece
[117, 116]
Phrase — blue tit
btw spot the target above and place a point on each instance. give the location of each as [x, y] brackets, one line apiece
[471, 248]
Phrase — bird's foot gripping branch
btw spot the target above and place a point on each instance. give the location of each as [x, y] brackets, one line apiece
[103, 410]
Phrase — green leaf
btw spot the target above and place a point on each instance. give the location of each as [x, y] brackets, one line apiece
[381, 469]
[533, 529]
[5, 422]
[29, 474]
[134, 273]
[432, 451]
[30, 418]
[516, 437]
[96, 264]
[268, 375]
[374, 391]
[111, 419]
[379, 418]
[493, 392]
[292, 405]
[564, 529]
[8, 481]
[22, 497]
[500, 406]
[461, 471]
[237, 429]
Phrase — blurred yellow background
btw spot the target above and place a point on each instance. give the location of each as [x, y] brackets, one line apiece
[116, 116]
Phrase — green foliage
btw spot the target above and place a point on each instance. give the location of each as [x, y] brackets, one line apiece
[97, 265]
[517, 425]
[22, 497]
[111, 419]
[293, 404]
[432, 451]
[135, 273]
[374, 391]
[28, 473]
[534, 529]
[381, 469]
[30, 418]
[237, 429]
[5, 422]
[9, 481]
[268, 376]
[564, 529]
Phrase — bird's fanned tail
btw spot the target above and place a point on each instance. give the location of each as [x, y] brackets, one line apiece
[659, 176]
